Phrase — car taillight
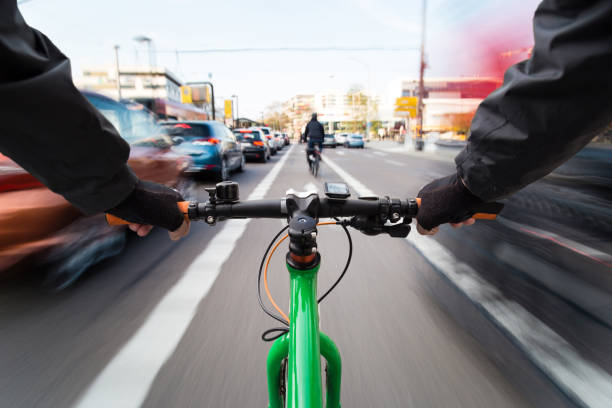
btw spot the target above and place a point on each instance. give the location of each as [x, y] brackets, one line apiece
[269, 137]
[258, 143]
[211, 141]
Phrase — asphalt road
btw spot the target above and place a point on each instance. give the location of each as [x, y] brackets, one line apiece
[124, 335]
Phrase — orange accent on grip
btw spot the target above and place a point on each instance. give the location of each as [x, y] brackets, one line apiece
[476, 216]
[484, 216]
[114, 221]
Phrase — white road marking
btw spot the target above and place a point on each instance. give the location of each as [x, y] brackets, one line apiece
[549, 351]
[126, 380]
[577, 377]
[310, 187]
[379, 153]
[395, 163]
[356, 185]
[340, 153]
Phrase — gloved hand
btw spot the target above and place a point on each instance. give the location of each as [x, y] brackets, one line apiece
[446, 200]
[151, 204]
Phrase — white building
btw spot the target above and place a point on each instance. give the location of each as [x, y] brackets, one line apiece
[136, 82]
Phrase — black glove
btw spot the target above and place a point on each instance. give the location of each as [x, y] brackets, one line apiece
[446, 200]
[153, 204]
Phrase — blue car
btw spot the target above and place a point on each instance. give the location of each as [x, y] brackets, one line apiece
[354, 141]
[211, 145]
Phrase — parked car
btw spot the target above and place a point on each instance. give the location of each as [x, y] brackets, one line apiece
[341, 138]
[285, 139]
[329, 141]
[278, 139]
[354, 140]
[270, 138]
[253, 144]
[42, 232]
[212, 146]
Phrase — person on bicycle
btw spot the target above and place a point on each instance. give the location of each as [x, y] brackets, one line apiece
[313, 135]
[548, 108]
[52, 131]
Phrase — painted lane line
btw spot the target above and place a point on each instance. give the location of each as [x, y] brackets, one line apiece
[355, 184]
[395, 163]
[340, 153]
[127, 378]
[579, 378]
[379, 153]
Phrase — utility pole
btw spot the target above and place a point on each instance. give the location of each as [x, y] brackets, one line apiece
[419, 135]
[117, 72]
[237, 123]
[212, 94]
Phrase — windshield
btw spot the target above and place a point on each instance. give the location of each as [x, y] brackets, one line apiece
[185, 129]
[357, 137]
[245, 137]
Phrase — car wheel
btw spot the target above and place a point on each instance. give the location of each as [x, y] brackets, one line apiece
[242, 166]
[223, 174]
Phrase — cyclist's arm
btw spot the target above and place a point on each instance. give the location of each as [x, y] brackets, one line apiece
[547, 109]
[49, 128]
[549, 106]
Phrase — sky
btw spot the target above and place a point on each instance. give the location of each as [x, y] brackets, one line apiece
[461, 37]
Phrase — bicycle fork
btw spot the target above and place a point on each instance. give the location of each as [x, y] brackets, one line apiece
[303, 346]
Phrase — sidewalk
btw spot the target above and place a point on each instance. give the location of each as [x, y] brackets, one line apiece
[431, 151]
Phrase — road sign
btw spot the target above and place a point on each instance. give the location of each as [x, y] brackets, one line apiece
[407, 101]
[200, 94]
[228, 108]
[186, 96]
[404, 112]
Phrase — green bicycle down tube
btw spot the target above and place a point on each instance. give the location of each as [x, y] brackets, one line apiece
[304, 388]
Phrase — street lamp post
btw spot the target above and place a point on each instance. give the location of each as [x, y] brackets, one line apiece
[212, 94]
[117, 72]
[237, 115]
[419, 135]
[148, 41]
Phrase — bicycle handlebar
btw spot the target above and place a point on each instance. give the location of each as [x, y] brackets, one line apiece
[389, 209]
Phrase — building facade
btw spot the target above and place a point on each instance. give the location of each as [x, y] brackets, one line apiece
[448, 98]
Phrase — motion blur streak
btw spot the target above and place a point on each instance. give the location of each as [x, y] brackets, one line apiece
[556, 241]
[553, 355]
[126, 380]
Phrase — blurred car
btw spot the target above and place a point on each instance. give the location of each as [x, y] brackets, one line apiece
[278, 139]
[42, 232]
[253, 144]
[341, 138]
[212, 146]
[270, 138]
[354, 140]
[285, 139]
[329, 141]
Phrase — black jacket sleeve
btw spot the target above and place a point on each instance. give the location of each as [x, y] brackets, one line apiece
[49, 128]
[549, 106]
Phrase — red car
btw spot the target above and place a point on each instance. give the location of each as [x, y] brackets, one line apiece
[41, 230]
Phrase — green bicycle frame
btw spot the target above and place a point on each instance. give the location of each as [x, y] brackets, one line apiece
[303, 346]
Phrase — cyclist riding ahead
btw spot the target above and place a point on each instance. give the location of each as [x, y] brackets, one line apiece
[314, 135]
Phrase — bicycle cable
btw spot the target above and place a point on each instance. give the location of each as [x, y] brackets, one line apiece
[282, 330]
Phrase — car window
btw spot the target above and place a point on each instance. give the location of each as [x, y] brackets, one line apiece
[187, 130]
[114, 112]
